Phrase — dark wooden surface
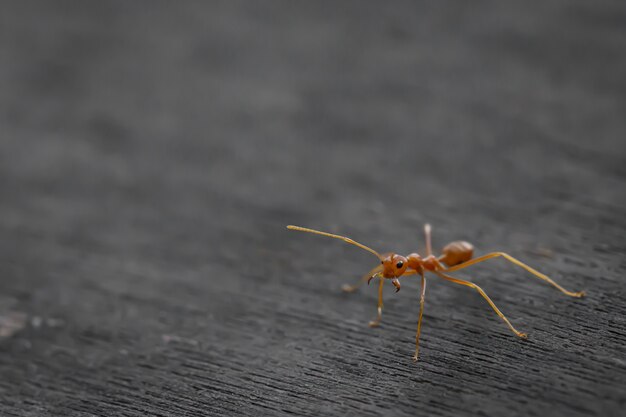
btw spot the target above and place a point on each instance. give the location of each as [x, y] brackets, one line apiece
[151, 154]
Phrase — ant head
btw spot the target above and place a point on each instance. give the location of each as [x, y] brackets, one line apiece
[393, 265]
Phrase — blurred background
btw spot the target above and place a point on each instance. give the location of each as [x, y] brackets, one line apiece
[151, 154]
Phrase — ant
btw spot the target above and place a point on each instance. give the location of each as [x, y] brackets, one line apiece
[456, 255]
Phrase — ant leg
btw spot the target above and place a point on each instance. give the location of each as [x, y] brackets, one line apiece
[376, 323]
[518, 263]
[364, 278]
[429, 249]
[419, 320]
[485, 296]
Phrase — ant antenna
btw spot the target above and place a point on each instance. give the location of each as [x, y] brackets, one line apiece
[345, 239]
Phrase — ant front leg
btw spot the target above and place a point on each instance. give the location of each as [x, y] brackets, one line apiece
[376, 323]
[365, 278]
[419, 320]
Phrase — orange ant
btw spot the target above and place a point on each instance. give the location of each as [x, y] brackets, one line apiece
[456, 255]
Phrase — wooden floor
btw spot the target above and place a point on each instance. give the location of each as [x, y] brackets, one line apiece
[151, 154]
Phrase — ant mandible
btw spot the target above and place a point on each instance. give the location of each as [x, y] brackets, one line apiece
[456, 255]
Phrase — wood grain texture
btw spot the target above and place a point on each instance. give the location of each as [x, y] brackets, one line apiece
[151, 154]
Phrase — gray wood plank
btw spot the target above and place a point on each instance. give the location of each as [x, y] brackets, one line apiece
[151, 154]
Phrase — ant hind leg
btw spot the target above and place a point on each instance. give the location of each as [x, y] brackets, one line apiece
[511, 259]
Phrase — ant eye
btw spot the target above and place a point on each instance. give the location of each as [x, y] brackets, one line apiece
[399, 264]
[382, 262]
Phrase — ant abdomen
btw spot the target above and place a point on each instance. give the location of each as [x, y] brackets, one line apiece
[456, 253]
